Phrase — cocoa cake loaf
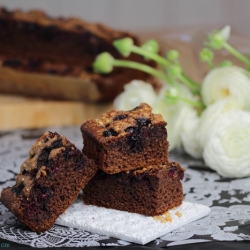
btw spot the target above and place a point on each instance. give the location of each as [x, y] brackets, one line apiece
[40, 53]
[149, 191]
[126, 140]
[49, 181]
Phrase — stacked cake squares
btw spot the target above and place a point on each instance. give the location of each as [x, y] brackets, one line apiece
[131, 151]
[123, 165]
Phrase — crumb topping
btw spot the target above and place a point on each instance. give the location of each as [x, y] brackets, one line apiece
[122, 121]
[48, 146]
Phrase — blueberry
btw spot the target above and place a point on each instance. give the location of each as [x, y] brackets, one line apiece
[14, 62]
[120, 117]
[130, 129]
[171, 172]
[109, 132]
[181, 175]
[143, 121]
[43, 156]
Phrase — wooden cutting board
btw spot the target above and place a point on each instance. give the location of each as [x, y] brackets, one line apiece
[19, 112]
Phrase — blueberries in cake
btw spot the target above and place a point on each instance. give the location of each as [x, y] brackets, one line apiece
[24, 172]
[32, 209]
[57, 144]
[120, 117]
[158, 132]
[54, 166]
[143, 121]
[181, 175]
[33, 64]
[42, 194]
[135, 140]
[145, 132]
[80, 164]
[31, 26]
[18, 189]
[32, 173]
[171, 172]
[43, 156]
[130, 129]
[52, 71]
[73, 151]
[109, 132]
[14, 62]
[48, 33]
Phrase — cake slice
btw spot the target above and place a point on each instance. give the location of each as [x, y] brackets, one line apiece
[49, 181]
[126, 140]
[150, 191]
[56, 56]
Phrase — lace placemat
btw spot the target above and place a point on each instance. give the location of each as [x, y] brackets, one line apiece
[228, 199]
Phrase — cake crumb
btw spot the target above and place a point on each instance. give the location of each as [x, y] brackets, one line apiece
[166, 217]
[179, 214]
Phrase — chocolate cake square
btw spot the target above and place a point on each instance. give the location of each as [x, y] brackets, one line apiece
[52, 57]
[49, 181]
[150, 191]
[126, 140]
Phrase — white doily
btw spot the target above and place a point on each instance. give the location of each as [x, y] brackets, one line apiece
[229, 200]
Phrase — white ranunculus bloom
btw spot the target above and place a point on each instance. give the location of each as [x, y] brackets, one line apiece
[188, 133]
[134, 93]
[173, 114]
[211, 114]
[225, 82]
[228, 144]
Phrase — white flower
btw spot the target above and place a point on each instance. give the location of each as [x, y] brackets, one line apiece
[211, 114]
[173, 114]
[225, 32]
[228, 144]
[225, 82]
[134, 93]
[188, 132]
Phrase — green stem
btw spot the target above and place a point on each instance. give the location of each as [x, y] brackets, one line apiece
[190, 85]
[191, 80]
[236, 54]
[193, 103]
[210, 64]
[153, 56]
[141, 67]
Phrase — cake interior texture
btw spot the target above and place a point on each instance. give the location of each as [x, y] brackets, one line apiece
[126, 140]
[149, 191]
[49, 181]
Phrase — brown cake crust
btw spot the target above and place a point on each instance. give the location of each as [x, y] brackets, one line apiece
[49, 181]
[62, 47]
[126, 140]
[149, 191]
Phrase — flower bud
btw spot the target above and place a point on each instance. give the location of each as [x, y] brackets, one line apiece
[103, 63]
[206, 55]
[172, 55]
[124, 45]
